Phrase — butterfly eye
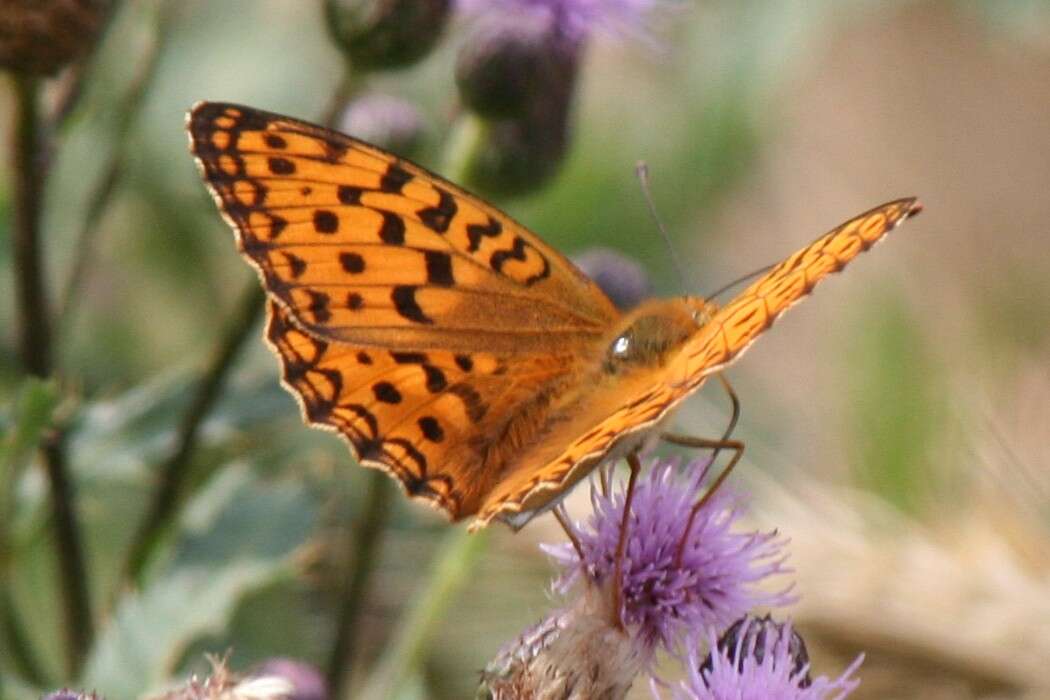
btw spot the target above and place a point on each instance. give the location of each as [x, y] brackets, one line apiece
[621, 346]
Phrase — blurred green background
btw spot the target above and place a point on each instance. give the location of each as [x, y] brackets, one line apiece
[896, 423]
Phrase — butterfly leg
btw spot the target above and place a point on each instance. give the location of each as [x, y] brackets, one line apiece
[603, 479]
[621, 546]
[563, 519]
[736, 410]
[717, 446]
[704, 443]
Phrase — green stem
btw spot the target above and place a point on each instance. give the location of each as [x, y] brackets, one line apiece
[465, 138]
[36, 352]
[173, 472]
[31, 296]
[364, 544]
[22, 657]
[344, 91]
[454, 562]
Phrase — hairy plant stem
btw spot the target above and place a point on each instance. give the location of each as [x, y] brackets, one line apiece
[36, 354]
[173, 472]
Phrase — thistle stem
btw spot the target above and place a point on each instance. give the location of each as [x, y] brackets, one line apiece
[173, 472]
[404, 655]
[364, 544]
[36, 353]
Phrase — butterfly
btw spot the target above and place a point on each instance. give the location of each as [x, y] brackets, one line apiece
[448, 344]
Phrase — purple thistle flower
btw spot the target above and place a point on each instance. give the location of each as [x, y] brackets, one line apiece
[306, 681]
[667, 599]
[761, 660]
[574, 20]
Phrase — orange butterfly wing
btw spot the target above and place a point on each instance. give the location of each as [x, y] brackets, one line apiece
[719, 342]
[411, 317]
[365, 248]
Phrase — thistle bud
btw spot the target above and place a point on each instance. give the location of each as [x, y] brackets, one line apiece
[66, 694]
[509, 62]
[386, 33]
[761, 658]
[576, 652]
[623, 279]
[41, 36]
[517, 156]
[759, 638]
[388, 122]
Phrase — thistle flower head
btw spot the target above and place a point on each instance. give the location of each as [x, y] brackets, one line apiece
[573, 19]
[759, 659]
[41, 36]
[671, 593]
[574, 652]
[386, 33]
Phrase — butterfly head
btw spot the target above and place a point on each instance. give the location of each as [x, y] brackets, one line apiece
[653, 331]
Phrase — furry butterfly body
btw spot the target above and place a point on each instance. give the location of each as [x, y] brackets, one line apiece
[448, 344]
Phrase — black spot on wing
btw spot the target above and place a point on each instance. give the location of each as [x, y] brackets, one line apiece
[404, 298]
[394, 179]
[296, 264]
[438, 217]
[475, 407]
[386, 392]
[439, 268]
[325, 221]
[392, 230]
[517, 252]
[364, 415]
[431, 429]
[408, 358]
[435, 379]
[319, 303]
[475, 232]
[349, 195]
[281, 166]
[352, 262]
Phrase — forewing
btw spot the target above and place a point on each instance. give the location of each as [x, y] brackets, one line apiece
[365, 248]
[622, 413]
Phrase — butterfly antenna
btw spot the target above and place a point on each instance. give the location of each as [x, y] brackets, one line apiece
[739, 280]
[641, 169]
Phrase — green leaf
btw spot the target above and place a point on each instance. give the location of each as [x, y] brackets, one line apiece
[237, 536]
[31, 415]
